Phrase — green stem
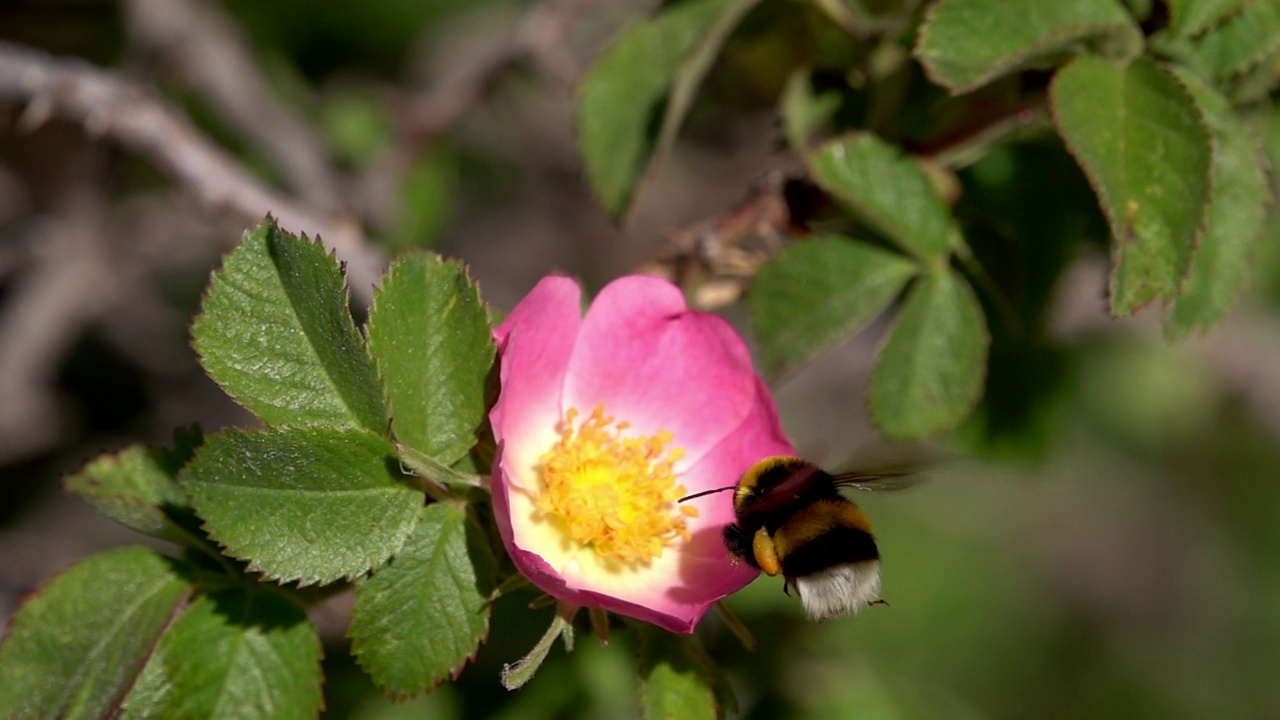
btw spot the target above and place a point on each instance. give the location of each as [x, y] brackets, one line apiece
[515, 675]
[600, 623]
[511, 584]
[1008, 315]
[737, 627]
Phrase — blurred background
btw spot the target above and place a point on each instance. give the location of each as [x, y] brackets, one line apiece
[1109, 549]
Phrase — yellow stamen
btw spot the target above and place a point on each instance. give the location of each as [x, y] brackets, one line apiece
[613, 494]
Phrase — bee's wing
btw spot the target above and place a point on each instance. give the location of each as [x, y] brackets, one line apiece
[877, 480]
[891, 467]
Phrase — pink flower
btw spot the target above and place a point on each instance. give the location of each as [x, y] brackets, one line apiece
[603, 422]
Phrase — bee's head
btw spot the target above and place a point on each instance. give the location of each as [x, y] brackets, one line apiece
[775, 482]
[770, 484]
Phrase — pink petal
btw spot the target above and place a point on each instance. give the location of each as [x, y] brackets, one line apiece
[704, 578]
[757, 437]
[710, 572]
[535, 343]
[530, 564]
[674, 591]
[657, 365]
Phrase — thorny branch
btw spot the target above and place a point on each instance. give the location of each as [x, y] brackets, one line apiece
[108, 106]
[209, 52]
[463, 82]
[717, 257]
[538, 36]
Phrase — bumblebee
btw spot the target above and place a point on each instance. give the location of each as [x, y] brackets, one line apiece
[793, 521]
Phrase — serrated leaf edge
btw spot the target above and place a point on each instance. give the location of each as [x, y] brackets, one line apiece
[886, 226]
[253, 566]
[39, 592]
[785, 370]
[350, 321]
[474, 286]
[1214, 179]
[454, 673]
[1094, 185]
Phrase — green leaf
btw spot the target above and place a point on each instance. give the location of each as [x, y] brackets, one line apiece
[420, 619]
[888, 191]
[1192, 17]
[308, 504]
[234, 655]
[274, 331]
[1234, 223]
[1139, 138]
[803, 113]
[689, 76]
[1244, 41]
[623, 92]
[430, 337]
[138, 488]
[1265, 122]
[964, 44]
[677, 680]
[931, 370]
[818, 291]
[75, 648]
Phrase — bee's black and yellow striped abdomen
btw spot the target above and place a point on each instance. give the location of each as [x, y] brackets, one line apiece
[826, 533]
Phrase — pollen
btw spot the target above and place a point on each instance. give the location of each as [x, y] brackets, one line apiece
[612, 491]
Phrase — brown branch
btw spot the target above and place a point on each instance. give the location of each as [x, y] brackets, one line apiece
[107, 105]
[716, 258]
[538, 36]
[965, 144]
[465, 79]
[210, 53]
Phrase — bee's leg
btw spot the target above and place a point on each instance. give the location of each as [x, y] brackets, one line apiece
[739, 545]
[877, 601]
[766, 553]
[786, 587]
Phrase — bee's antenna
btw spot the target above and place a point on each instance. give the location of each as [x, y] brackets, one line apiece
[705, 492]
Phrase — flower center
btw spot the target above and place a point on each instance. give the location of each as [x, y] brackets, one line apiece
[612, 493]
